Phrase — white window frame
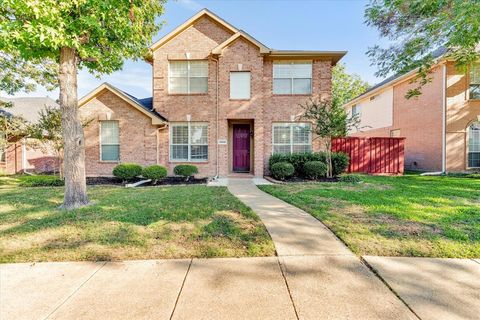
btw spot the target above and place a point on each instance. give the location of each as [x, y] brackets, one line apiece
[291, 125]
[468, 145]
[249, 85]
[109, 144]
[292, 78]
[476, 65]
[188, 77]
[358, 111]
[189, 144]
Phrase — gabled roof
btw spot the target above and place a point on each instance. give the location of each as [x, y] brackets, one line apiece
[188, 23]
[29, 108]
[335, 56]
[145, 105]
[436, 55]
[263, 49]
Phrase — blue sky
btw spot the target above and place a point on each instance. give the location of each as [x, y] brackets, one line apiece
[336, 25]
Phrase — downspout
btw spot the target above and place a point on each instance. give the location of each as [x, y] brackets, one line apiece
[24, 155]
[444, 119]
[216, 120]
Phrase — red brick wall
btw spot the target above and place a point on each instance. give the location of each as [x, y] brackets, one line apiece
[461, 112]
[263, 108]
[420, 122]
[138, 141]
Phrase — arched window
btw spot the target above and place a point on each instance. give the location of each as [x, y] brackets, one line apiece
[474, 145]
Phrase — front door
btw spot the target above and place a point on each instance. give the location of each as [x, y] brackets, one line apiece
[241, 147]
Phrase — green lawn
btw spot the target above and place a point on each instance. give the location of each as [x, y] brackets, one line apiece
[121, 224]
[408, 215]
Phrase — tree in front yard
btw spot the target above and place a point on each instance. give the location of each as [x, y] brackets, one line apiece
[330, 120]
[94, 34]
[346, 87]
[11, 128]
[416, 28]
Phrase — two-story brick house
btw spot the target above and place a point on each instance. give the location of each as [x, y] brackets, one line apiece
[441, 126]
[222, 101]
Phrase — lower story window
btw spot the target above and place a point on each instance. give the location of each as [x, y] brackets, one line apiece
[292, 137]
[474, 145]
[110, 141]
[189, 141]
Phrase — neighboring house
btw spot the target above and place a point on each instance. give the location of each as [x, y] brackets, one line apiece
[222, 101]
[23, 154]
[441, 126]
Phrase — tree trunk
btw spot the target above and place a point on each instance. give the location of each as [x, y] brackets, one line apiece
[73, 139]
[329, 157]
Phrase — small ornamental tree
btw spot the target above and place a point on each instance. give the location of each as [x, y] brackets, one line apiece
[94, 34]
[329, 121]
[47, 132]
[11, 127]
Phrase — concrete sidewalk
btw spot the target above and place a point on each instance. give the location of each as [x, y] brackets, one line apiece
[319, 287]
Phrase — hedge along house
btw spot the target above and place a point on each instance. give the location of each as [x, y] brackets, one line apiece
[222, 101]
[441, 126]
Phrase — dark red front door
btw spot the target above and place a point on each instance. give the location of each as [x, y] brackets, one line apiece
[241, 147]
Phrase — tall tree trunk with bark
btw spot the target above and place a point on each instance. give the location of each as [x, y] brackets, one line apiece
[73, 138]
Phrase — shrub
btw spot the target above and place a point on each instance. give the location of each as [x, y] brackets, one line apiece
[282, 170]
[127, 171]
[350, 178]
[41, 181]
[298, 160]
[185, 170]
[315, 169]
[154, 173]
[340, 163]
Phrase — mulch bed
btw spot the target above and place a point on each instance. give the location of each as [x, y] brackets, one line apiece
[93, 181]
[302, 180]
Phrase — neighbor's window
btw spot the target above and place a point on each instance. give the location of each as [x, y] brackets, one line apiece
[189, 141]
[395, 133]
[2, 147]
[239, 85]
[292, 137]
[474, 145]
[110, 141]
[356, 111]
[475, 81]
[188, 76]
[292, 77]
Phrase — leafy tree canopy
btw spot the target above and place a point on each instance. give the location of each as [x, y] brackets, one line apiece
[102, 32]
[346, 86]
[417, 27]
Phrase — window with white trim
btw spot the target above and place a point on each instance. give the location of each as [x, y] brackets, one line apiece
[474, 145]
[292, 77]
[109, 141]
[474, 87]
[240, 85]
[189, 142]
[3, 144]
[357, 111]
[188, 77]
[292, 137]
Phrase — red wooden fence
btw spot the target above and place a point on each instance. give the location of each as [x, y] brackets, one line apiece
[372, 155]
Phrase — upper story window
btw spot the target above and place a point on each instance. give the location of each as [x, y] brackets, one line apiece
[189, 141]
[188, 77]
[240, 85]
[292, 77]
[109, 141]
[356, 111]
[475, 81]
[292, 137]
[474, 145]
